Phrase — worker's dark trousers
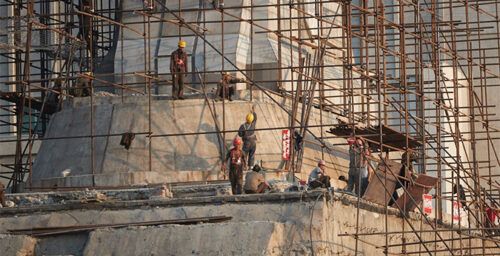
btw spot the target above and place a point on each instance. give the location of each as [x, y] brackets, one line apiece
[249, 147]
[395, 193]
[323, 182]
[2, 194]
[353, 180]
[236, 179]
[178, 85]
[228, 92]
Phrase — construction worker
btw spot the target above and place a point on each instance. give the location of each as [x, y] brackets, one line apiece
[356, 155]
[224, 88]
[255, 182]
[461, 197]
[95, 41]
[492, 220]
[81, 87]
[2, 194]
[149, 5]
[86, 23]
[238, 163]
[366, 173]
[318, 178]
[247, 132]
[53, 99]
[178, 67]
[406, 173]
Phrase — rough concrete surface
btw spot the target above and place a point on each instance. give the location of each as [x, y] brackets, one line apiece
[313, 223]
[17, 245]
[51, 198]
[174, 158]
[68, 244]
[234, 238]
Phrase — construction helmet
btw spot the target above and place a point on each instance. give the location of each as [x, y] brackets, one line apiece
[237, 141]
[88, 73]
[249, 118]
[351, 140]
[225, 73]
[182, 44]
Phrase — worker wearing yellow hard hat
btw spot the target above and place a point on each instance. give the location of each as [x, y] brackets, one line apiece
[178, 68]
[247, 132]
[225, 89]
[250, 118]
[181, 44]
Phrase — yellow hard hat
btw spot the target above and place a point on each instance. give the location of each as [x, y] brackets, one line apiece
[225, 73]
[249, 118]
[182, 44]
[88, 73]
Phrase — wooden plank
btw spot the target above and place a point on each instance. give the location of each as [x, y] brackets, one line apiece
[392, 137]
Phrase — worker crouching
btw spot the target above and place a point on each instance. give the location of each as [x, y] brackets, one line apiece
[81, 87]
[318, 178]
[225, 89]
[255, 182]
[236, 166]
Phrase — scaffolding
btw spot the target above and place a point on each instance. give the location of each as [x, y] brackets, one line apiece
[420, 70]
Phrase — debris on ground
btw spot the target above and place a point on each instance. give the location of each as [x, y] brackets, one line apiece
[105, 94]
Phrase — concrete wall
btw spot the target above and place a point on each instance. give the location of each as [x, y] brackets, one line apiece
[244, 238]
[234, 39]
[313, 222]
[173, 158]
[8, 154]
[17, 245]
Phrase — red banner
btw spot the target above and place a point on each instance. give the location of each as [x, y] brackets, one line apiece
[285, 145]
[427, 203]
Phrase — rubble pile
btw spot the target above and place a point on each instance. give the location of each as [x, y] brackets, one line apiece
[86, 196]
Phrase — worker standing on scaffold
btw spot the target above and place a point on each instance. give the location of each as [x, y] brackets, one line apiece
[149, 5]
[247, 132]
[238, 163]
[178, 68]
[356, 155]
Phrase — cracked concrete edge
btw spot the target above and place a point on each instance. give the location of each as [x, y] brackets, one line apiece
[172, 202]
[329, 196]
